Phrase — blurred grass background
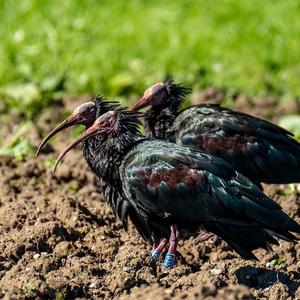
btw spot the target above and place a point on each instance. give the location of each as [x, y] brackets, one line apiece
[117, 48]
[120, 47]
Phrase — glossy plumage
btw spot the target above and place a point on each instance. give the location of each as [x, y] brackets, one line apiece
[174, 184]
[169, 184]
[85, 114]
[90, 147]
[262, 151]
[112, 193]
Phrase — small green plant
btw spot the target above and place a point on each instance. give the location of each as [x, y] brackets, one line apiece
[30, 287]
[59, 296]
[278, 261]
[289, 190]
[19, 147]
[49, 163]
[291, 123]
[74, 187]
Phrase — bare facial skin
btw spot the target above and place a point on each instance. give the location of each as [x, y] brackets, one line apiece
[153, 96]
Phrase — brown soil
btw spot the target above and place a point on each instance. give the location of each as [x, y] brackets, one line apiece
[60, 240]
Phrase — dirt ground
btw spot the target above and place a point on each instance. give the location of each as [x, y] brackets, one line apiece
[59, 240]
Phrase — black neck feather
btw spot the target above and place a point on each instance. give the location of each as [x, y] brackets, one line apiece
[158, 123]
[104, 153]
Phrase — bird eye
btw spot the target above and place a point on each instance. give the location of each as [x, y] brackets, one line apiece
[157, 89]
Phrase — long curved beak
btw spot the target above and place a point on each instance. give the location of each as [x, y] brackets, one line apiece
[70, 121]
[93, 130]
[141, 103]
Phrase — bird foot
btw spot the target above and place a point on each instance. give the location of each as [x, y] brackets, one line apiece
[155, 253]
[169, 261]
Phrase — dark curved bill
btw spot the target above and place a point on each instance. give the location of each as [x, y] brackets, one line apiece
[85, 135]
[70, 121]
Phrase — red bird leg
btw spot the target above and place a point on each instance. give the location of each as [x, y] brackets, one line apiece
[205, 236]
[170, 257]
[156, 251]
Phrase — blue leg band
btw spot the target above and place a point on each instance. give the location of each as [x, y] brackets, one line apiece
[169, 261]
[155, 255]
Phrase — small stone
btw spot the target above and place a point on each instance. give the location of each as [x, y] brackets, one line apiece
[92, 285]
[168, 291]
[44, 253]
[36, 256]
[62, 249]
[27, 269]
[268, 265]
[127, 269]
[216, 271]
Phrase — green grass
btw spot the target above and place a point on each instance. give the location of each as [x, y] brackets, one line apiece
[119, 47]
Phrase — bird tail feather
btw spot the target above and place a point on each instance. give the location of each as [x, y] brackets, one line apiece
[245, 239]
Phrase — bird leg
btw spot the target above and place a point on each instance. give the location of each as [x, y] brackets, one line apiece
[170, 257]
[158, 248]
[205, 236]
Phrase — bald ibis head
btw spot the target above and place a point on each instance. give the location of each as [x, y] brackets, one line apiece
[165, 94]
[83, 114]
[107, 125]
